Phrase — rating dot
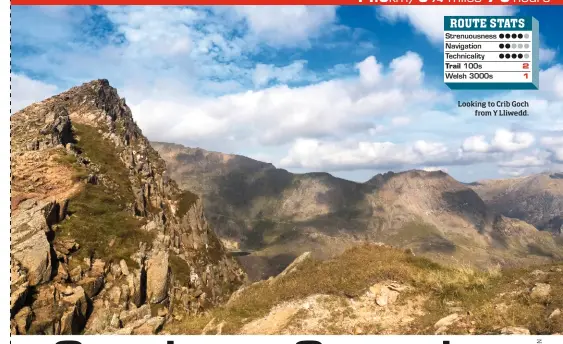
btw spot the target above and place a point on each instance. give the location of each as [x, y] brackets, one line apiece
[508, 46]
[520, 35]
[501, 35]
[507, 36]
[514, 35]
[526, 46]
[526, 36]
[520, 56]
[501, 46]
[520, 46]
[514, 56]
[526, 55]
[507, 56]
[501, 56]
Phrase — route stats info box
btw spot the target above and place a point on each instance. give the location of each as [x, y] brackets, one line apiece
[491, 53]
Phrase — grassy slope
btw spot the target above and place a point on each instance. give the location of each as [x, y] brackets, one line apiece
[352, 273]
[99, 221]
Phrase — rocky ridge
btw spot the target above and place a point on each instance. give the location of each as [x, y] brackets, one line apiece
[279, 215]
[103, 241]
[536, 199]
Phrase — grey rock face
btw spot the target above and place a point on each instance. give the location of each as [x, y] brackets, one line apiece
[29, 241]
[94, 293]
[158, 276]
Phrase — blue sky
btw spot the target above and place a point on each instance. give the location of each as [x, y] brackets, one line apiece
[353, 91]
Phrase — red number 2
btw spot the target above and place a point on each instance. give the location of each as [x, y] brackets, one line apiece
[526, 66]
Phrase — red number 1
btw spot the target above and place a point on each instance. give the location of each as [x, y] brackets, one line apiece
[526, 75]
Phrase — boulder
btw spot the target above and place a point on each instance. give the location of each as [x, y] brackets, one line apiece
[158, 277]
[115, 321]
[124, 268]
[59, 310]
[65, 247]
[92, 179]
[30, 245]
[555, 313]
[133, 315]
[100, 319]
[23, 320]
[76, 274]
[136, 292]
[92, 285]
[515, 330]
[62, 273]
[384, 295]
[150, 326]
[61, 128]
[447, 321]
[19, 286]
[78, 300]
[540, 292]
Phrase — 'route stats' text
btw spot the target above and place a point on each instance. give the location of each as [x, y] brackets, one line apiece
[490, 23]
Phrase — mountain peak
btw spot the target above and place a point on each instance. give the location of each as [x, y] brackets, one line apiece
[415, 174]
[92, 206]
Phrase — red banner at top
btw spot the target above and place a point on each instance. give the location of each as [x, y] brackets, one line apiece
[291, 2]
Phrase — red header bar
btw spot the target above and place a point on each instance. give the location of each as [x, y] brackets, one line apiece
[291, 2]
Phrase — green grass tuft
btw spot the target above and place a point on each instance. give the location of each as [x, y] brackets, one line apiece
[100, 221]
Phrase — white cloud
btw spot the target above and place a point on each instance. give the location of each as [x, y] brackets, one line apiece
[264, 73]
[407, 69]
[508, 141]
[314, 154]
[547, 55]
[370, 71]
[503, 141]
[280, 114]
[512, 172]
[429, 20]
[552, 140]
[554, 144]
[287, 26]
[26, 91]
[434, 169]
[551, 81]
[400, 121]
[168, 32]
[475, 144]
[210, 49]
[203, 76]
[525, 161]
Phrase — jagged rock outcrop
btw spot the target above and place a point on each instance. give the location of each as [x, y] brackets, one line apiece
[158, 276]
[19, 287]
[98, 229]
[30, 246]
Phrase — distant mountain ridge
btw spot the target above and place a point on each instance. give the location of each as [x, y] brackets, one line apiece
[280, 214]
[536, 199]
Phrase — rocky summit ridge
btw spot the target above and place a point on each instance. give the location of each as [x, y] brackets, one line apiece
[278, 215]
[102, 240]
[536, 199]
